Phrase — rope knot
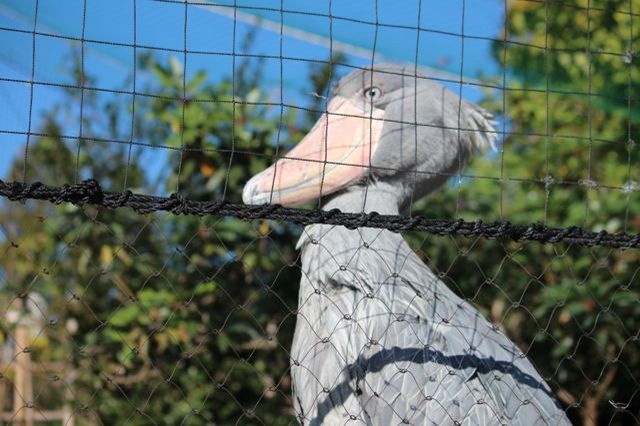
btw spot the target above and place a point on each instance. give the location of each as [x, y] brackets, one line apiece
[327, 215]
[214, 207]
[361, 220]
[177, 203]
[89, 191]
[31, 188]
[454, 227]
[121, 199]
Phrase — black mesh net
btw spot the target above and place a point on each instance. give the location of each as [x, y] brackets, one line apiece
[271, 212]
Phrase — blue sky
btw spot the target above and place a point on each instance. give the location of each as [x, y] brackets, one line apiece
[308, 32]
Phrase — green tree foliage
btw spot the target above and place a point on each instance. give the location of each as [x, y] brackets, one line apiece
[577, 138]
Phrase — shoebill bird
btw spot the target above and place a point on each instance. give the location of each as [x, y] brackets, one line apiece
[379, 339]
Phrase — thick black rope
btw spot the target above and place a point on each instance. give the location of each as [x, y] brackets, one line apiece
[89, 192]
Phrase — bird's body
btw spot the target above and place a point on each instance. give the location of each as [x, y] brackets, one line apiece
[379, 338]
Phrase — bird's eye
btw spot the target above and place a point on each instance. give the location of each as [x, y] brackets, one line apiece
[372, 94]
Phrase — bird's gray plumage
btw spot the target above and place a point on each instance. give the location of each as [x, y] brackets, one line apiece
[379, 338]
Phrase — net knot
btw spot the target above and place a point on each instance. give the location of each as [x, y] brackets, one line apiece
[18, 192]
[326, 215]
[119, 200]
[362, 220]
[213, 207]
[90, 191]
[413, 222]
[267, 209]
[503, 228]
[454, 227]
[30, 189]
[177, 204]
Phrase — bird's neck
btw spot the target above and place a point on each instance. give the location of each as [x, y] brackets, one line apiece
[376, 197]
[327, 249]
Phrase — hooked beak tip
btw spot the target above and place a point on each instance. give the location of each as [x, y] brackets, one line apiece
[251, 194]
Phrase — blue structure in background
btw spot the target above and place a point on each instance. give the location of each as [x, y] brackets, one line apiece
[307, 35]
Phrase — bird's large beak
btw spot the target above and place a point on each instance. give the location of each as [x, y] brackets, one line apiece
[336, 152]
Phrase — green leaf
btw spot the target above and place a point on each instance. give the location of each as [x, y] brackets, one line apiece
[125, 316]
[205, 288]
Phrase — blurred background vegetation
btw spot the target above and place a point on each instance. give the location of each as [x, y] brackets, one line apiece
[182, 320]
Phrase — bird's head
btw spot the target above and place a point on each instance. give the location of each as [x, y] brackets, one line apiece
[382, 124]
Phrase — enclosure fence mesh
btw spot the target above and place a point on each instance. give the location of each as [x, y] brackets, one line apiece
[319, 212]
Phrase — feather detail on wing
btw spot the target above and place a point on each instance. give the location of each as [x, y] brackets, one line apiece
[482, 125]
